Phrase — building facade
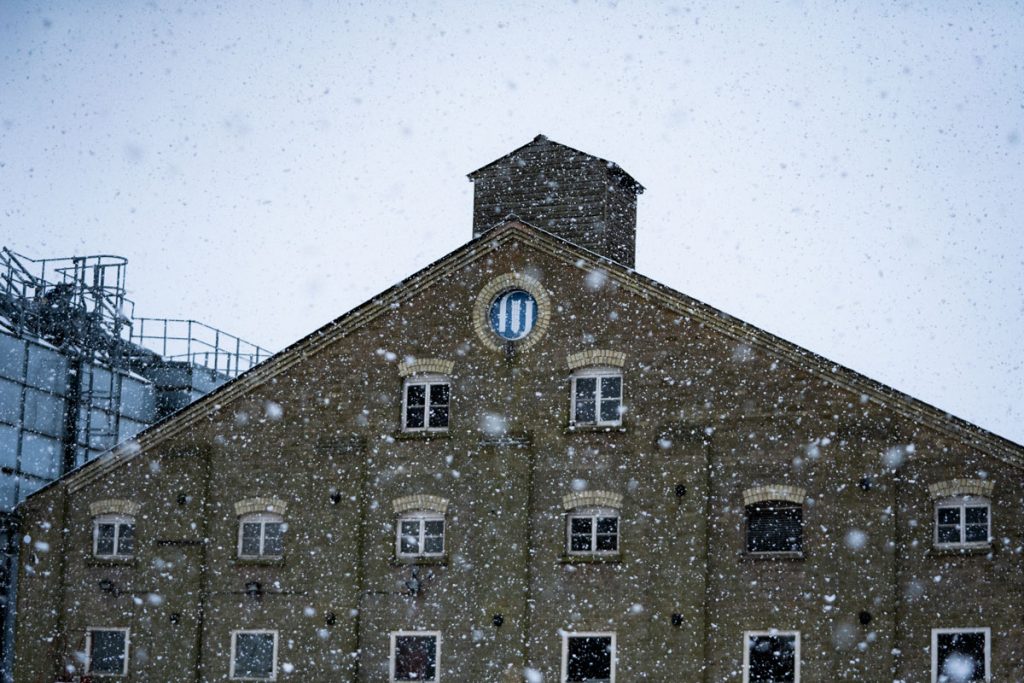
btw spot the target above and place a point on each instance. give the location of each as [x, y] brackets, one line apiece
[529, 462]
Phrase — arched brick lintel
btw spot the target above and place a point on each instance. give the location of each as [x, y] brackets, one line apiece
[759, 494]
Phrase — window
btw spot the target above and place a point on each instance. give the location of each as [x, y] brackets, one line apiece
[254, 655]
[771, 657]
[774, 526]
[593, 531]
[960, 655]
[107, 651]
[113, 536]
[426, 403]
[597, 397]
[588, 658]
[421, 534]
[260, 535]
[962, 521]
[415, 656]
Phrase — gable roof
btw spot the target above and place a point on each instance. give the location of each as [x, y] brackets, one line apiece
[514, 229]
[544, 141]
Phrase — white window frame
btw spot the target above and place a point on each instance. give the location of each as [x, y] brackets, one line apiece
[395, 635]
[566, 635]
[262, 518]
[420, 516]
[597, 372]
[258, 631]
[118, 520]
[429, 380]
[593, 513]
[773, 633]
[963, 502]
[88, 649]
[988, 648]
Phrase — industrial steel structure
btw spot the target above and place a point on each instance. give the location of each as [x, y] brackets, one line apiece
[80, 374]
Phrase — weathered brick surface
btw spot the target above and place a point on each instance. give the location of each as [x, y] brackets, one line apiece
[586, 200]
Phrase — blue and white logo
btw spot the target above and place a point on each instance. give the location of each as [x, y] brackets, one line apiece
[513, 314]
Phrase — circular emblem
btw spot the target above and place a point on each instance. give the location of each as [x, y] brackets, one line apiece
[513, 314]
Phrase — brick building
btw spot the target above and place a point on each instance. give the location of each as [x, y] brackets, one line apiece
[529, 461]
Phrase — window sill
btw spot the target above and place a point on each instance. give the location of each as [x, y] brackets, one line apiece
[94, 561]
[773, 555]
[259, 561]
[421, 435]
[611, 558]
[438, 561]
[591, 429]
[955, 550]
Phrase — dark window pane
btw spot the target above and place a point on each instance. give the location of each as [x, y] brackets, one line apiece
[414, 417]
[416, 394]
[106, 655]
[581, 525]
[273, 534]
[610, 410]
[589, 659]
[126, 539]
[586, 412]
[772, 659]
[433, 540]
[977, 515]
[961, 657]
[949, 534]
[105, 539]
[586, 388]
[580, 530]
[607, 534]
[949, 515]
[254, 655]
[580, 543]
[251, 538]
[774, 527]
[438, 394]
[415, 658]
[976, 533]
[438, 416]
[410, 537]
[611, 387]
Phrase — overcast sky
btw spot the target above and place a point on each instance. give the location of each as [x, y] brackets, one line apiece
[849, 178]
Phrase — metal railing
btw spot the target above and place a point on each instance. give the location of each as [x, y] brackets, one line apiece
[37, 292]
[197, 343]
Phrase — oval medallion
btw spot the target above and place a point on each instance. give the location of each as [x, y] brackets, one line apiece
[513, 314]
